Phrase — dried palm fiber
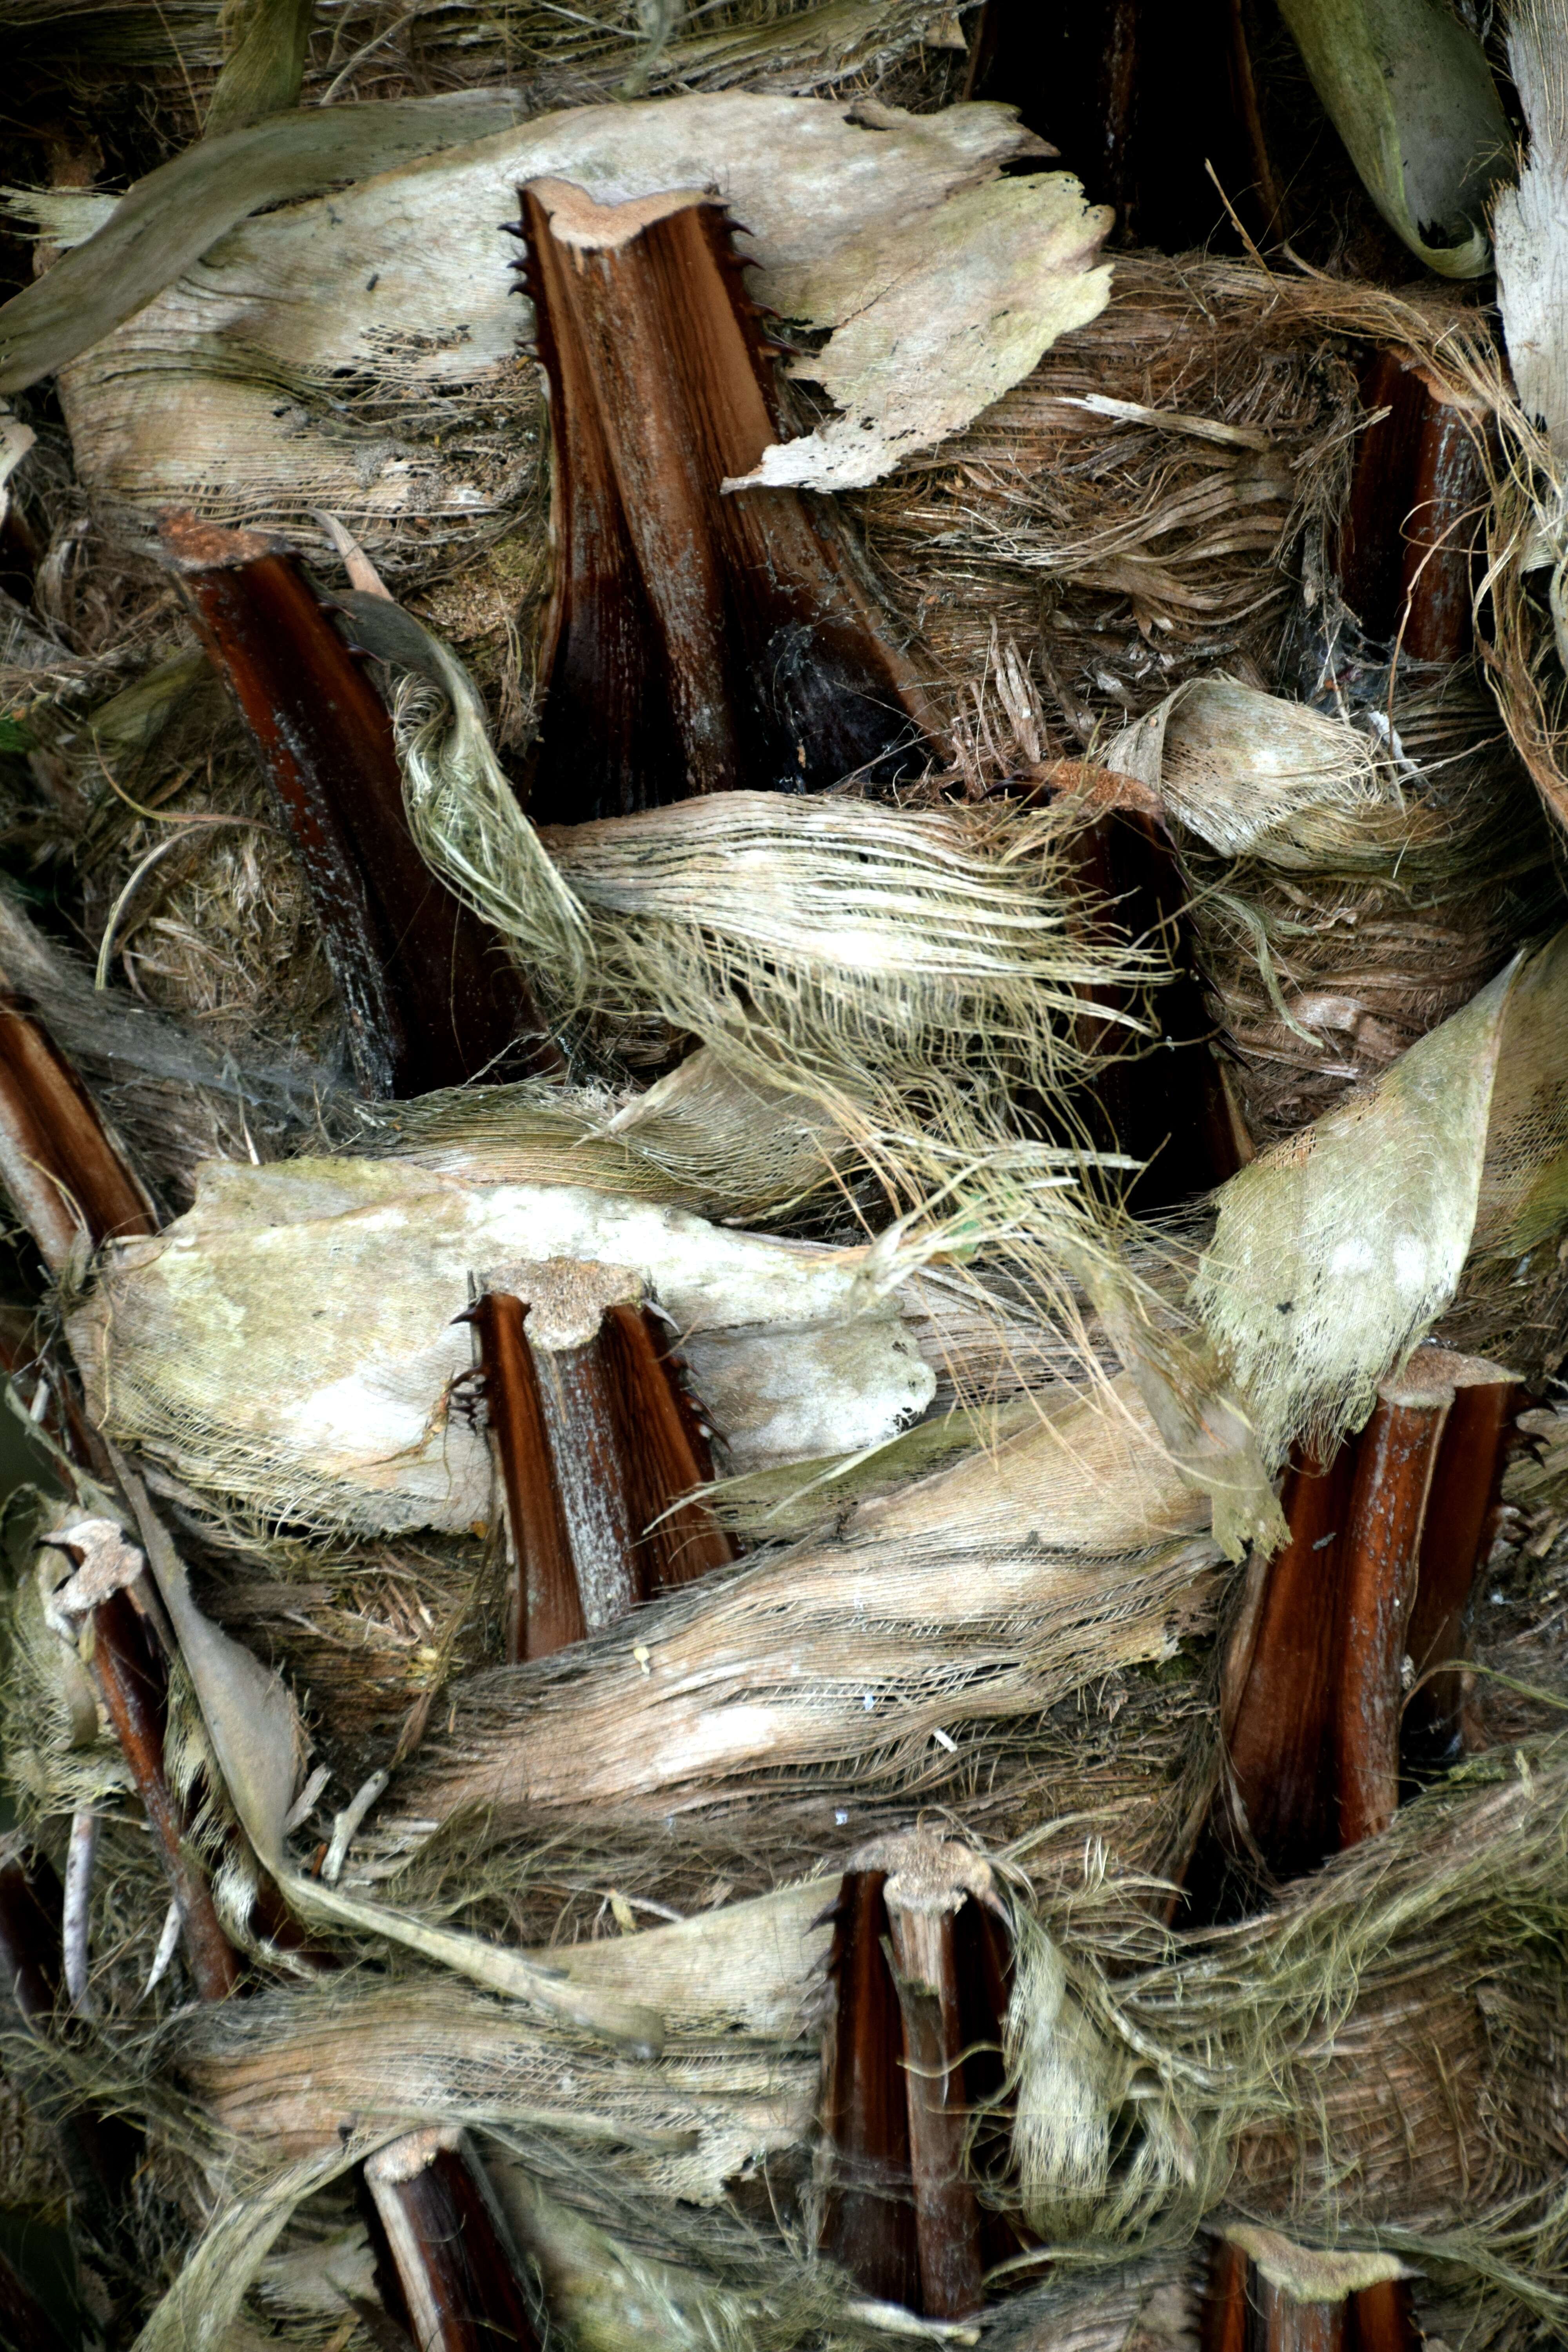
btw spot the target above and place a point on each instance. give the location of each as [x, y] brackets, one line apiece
[369, 1633]
[157, 1356]
[1201, 519]
[1153, 2304]
[717, 1970]
[616, 2273]
[187, 882]
[978, 1597]
[702, 1137]
[1251, 1341]
[1259, 2072]
[1351, 889]
[64, 1761]
[1514, 1677]
[1117, 1763]
[899, 48]
[735, 1989]
[175, 1099]
[35, 2181]
[610, 2267]
[1372, 2061]
[1410, 1206]
[904, 973]
[726, 917]
[1107, 1755]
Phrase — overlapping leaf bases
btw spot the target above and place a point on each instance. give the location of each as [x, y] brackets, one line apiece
[550, 1945]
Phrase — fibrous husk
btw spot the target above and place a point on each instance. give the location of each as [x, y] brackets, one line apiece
[912, 976]
[1112, 1769]
[977, 1597]
[1351, 887]
[1374, 2063]
[904, 50]
[702, 1137]
[175, 1099]
[286, 2075]
[1155, 466]
[905, 972]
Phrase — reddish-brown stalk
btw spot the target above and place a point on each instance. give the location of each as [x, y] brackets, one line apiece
[1418, 499]
[597, 1443]
[448, 2268]
[697, 642]
[429, 997]
[912, 2075]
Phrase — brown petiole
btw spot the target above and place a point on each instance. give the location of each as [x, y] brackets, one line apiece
[429, 998]
[920, 1964]
[597, 1443]
[697, 641]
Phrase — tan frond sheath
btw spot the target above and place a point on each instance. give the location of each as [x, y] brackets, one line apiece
[696, 642]
[429, 998]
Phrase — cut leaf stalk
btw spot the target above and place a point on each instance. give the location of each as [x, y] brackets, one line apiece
[429, 999]
[696, 642]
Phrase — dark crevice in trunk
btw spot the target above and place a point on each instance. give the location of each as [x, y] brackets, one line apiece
[1138, 97]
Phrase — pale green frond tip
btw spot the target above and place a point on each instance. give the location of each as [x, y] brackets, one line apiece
[1408, 88]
